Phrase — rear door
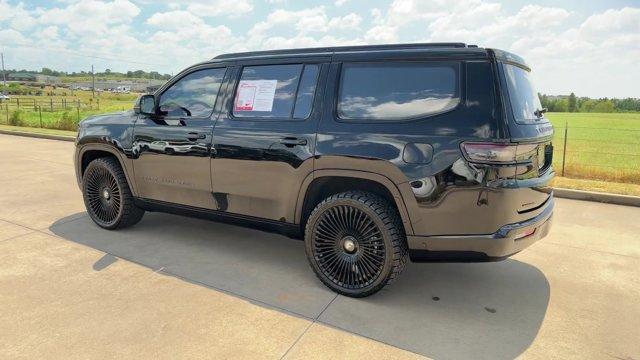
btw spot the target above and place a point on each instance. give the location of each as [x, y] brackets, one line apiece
[532, 131]
[265, 140]
[526, 120]
[172, 149]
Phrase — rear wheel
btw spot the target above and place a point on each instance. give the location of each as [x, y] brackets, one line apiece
[355, 243]
[107, 196]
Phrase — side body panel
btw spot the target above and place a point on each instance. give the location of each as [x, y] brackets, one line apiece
[254, 172]
[451, 189]
[172, 155]
[171, 161]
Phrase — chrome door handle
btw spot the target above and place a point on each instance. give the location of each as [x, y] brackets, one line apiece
[291, 142]
[193, 136]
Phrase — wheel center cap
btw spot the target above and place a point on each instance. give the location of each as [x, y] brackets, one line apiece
[105, 194]
[349, 244]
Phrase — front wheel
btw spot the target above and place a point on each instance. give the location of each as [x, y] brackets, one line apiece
[355, 243]
[107, 196]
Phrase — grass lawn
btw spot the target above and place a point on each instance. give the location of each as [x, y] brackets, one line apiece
[34, 130]
[597, 185]
[599, 146]
[63, 119]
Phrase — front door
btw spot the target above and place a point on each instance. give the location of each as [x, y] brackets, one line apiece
[172, 149]
[264, 141]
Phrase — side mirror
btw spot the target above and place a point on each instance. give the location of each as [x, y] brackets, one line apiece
[146, 105]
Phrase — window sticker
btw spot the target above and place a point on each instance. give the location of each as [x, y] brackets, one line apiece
[256, 95]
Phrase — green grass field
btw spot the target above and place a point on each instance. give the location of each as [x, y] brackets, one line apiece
[599, 146]
[63, 119]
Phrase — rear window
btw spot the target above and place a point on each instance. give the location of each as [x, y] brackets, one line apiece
[276, 91]
[522, 94]
[397, 91]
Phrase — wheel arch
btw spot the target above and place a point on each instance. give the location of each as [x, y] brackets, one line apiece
[90, 152]
[323, 183]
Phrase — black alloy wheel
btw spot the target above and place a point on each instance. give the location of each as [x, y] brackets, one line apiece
[104, 195]
[355, 243]
[107, 197]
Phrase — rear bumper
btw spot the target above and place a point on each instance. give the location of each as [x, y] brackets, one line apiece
[508, 240]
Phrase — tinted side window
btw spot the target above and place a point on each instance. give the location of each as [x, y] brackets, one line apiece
[306, 92]
[194, 95]
[276, 91]
[397, 91]
[267, 91]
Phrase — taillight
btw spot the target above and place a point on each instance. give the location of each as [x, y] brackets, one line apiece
[490, 153]
[496, 153]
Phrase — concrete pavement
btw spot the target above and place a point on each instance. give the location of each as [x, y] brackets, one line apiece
[175, 287]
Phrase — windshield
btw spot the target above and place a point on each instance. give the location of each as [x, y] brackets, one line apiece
[525, 103]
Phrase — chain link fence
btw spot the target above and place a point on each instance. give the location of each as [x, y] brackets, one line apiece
[55, 112]
[597, 153]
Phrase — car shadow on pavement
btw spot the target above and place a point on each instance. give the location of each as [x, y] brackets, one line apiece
[443, 311]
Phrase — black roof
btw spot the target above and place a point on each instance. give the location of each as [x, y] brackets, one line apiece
[342, 49]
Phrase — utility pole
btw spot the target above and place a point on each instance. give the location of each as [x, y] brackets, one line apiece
[93, 82]
[4, 77]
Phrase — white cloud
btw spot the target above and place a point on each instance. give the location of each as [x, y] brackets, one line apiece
[90, 17]
[174, 19]
[349, 21]
[312, 20]
[279, 42]
[612, 22]
[339, 3]
[12, 37]
[19, 18]
[377, 16]
[220, 7]
[50, 33]
[401, 12]
[382, 34]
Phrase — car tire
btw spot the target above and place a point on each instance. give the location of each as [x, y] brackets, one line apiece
[107, 196]
[355, 243]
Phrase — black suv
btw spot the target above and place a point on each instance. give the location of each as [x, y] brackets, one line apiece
[372, 154]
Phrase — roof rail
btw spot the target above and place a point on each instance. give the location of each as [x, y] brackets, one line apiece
[334, 49]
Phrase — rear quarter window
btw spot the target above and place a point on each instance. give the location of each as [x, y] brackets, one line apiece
[397, 91]
[522, 94]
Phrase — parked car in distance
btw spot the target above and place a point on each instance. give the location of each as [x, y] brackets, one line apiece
[374, 155]
[4, 97]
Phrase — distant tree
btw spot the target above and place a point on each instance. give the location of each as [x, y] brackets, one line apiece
[572, 104]
[588, 105]
[627, 104]
[604, 106]
[107, 71]
[562, 105]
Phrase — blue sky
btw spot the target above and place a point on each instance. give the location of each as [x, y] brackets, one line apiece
[591, 48]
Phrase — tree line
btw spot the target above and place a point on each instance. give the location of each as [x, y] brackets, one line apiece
[572, 103]
[141, 74]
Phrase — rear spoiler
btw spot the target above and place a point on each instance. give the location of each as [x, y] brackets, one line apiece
[510, 58]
